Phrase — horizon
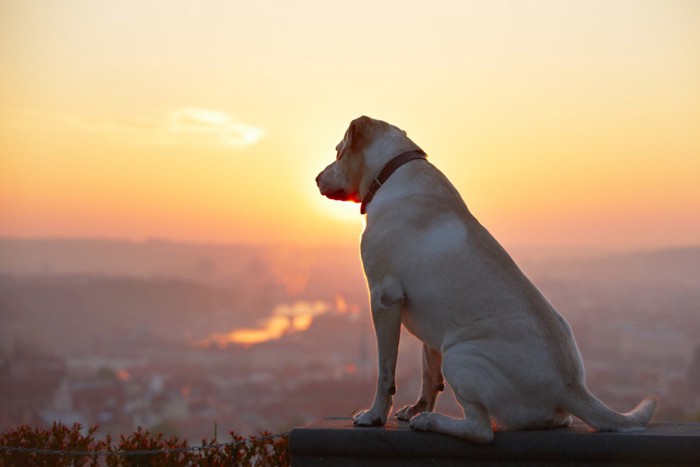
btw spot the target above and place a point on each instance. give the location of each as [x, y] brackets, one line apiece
[565, 250]
[560, 124]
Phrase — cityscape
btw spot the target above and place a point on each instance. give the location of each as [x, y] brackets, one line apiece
[198, 340]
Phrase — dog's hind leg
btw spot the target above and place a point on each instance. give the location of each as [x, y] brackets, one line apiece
[475, 426]
[467, 382]
[433, 383]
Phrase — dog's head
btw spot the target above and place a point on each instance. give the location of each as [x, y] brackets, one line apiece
[367, 146]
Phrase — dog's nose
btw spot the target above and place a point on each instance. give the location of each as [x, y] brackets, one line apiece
[318, 179]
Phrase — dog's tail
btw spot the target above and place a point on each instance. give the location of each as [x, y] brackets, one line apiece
[599, 416]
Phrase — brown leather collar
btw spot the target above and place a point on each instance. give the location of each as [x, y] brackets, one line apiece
[386, 172]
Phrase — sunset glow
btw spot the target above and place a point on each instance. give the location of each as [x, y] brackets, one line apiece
[285, 319]
[561, 123]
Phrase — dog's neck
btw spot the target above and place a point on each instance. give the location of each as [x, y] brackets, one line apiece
[387, 171]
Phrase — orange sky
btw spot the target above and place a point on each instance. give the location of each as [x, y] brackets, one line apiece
[561, 123]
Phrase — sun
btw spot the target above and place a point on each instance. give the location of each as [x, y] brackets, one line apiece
[345, 211]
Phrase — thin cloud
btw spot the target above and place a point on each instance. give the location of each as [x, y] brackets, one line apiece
[230, 131]
[156, 130]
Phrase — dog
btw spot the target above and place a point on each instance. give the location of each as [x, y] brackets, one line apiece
[509, 356]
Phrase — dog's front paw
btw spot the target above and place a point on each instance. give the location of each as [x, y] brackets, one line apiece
[369, 418]
[408, 412]
[422, 421]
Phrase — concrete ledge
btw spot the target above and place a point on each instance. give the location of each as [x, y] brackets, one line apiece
[335, 441]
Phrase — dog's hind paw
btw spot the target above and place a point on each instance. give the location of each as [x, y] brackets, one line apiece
[422, 422]
[408, 412]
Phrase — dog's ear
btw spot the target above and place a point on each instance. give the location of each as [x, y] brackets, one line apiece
[355, 136]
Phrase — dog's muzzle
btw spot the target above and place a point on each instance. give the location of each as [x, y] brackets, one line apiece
[338, 194]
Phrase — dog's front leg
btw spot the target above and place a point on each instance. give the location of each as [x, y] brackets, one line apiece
[386, 302]
[433, 383]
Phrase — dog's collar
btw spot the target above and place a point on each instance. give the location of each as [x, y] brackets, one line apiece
[386, 172]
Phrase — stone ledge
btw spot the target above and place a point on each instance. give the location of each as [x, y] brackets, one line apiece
[335, 441]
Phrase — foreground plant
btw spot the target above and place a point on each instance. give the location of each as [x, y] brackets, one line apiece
[61, 445]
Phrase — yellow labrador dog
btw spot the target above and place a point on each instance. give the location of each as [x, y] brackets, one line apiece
[509, 356]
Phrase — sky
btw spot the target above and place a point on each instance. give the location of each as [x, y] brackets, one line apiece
[562, 123]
